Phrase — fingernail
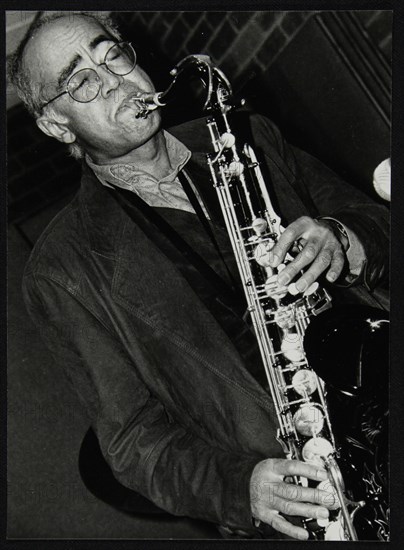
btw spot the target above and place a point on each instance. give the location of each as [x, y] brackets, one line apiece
[331, 277]
[322, 513]
[283, 279]
[271, 258]
[275, 260]
[301, 285]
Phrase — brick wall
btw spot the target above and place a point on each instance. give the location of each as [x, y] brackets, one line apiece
[38, 168]
[241, 43]
[378, 25]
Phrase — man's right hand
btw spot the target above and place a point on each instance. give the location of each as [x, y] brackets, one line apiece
[270, 494]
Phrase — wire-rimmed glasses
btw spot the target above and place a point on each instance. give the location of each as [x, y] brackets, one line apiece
[84, 85]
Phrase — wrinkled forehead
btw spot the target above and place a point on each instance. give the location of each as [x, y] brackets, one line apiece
[57, 42]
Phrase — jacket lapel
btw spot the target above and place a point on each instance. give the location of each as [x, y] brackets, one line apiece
[150, 287]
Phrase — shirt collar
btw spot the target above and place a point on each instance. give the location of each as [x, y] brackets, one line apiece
[128, 174]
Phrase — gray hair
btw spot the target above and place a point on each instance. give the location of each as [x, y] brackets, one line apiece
[30, 93]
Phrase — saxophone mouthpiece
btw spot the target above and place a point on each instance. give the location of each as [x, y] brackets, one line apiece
[152, 100]
[148, 102]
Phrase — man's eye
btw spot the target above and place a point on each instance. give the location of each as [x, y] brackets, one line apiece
[116, 56]
[81, 84]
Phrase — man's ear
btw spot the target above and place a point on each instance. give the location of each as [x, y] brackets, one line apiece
[55, 129]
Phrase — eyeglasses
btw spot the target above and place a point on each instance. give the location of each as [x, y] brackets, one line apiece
[84, 85]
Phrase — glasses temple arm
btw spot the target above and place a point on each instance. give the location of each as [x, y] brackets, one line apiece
[53, 99]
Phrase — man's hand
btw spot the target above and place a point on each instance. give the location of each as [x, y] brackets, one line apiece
[269, 495]
[321, 250]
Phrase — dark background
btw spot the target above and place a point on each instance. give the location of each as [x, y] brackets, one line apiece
[324, 77]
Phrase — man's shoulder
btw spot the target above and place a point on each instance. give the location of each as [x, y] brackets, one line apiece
[193, 133]
[55, 247]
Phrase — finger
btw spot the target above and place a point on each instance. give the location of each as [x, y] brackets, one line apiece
[331, 501]
[312, 495]
[297, 230]
[323, 260]
[305, 257]
[283, 526]
[301, 509]
[285, 243]
[336, 267]
[290, 235]
[286, 467]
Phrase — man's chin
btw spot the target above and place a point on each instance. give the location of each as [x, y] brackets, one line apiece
[134, 133]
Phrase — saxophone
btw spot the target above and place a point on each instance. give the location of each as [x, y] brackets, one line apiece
[279, 314]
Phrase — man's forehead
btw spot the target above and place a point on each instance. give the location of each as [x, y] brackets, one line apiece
[68, 31]
[55, 41]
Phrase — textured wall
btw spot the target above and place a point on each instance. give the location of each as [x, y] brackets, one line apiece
[239, 42]
[379, 26]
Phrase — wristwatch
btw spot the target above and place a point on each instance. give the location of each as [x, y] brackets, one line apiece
[338, 229]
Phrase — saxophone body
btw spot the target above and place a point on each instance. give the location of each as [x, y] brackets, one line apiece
[280, 314]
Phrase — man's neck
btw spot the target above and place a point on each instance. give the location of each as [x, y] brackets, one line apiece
[152, 157]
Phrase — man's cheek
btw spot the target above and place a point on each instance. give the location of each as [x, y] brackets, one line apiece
[141, 78]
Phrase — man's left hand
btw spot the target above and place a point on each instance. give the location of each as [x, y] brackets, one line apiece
[321, 250]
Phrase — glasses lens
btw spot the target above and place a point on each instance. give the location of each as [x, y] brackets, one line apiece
[121, 58]
[84, 85]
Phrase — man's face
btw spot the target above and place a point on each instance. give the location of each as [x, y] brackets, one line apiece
[106, 127]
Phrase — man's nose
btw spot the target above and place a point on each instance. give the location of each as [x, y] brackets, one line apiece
[109, 81]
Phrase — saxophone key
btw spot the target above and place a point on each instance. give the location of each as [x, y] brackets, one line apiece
[313, 288]
[293, 290]
[227, 140]
[285, 317]
[316, 450]
[304, 382]
[235, 169]
[291, 347]
[273, 289]
[261, 254]
[322, 522]
[259, 226]
[308, 420]
[335, 531]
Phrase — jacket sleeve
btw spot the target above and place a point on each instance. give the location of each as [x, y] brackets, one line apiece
[326, 194]
[147, 450]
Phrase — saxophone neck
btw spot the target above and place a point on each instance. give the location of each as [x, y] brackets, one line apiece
[218, 88]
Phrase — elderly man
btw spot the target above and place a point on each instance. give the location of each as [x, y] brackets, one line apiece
[157, 350]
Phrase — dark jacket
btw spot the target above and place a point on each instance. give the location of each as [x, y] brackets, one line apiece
[179, 418]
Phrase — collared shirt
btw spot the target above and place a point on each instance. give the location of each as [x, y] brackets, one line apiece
[167, 192]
